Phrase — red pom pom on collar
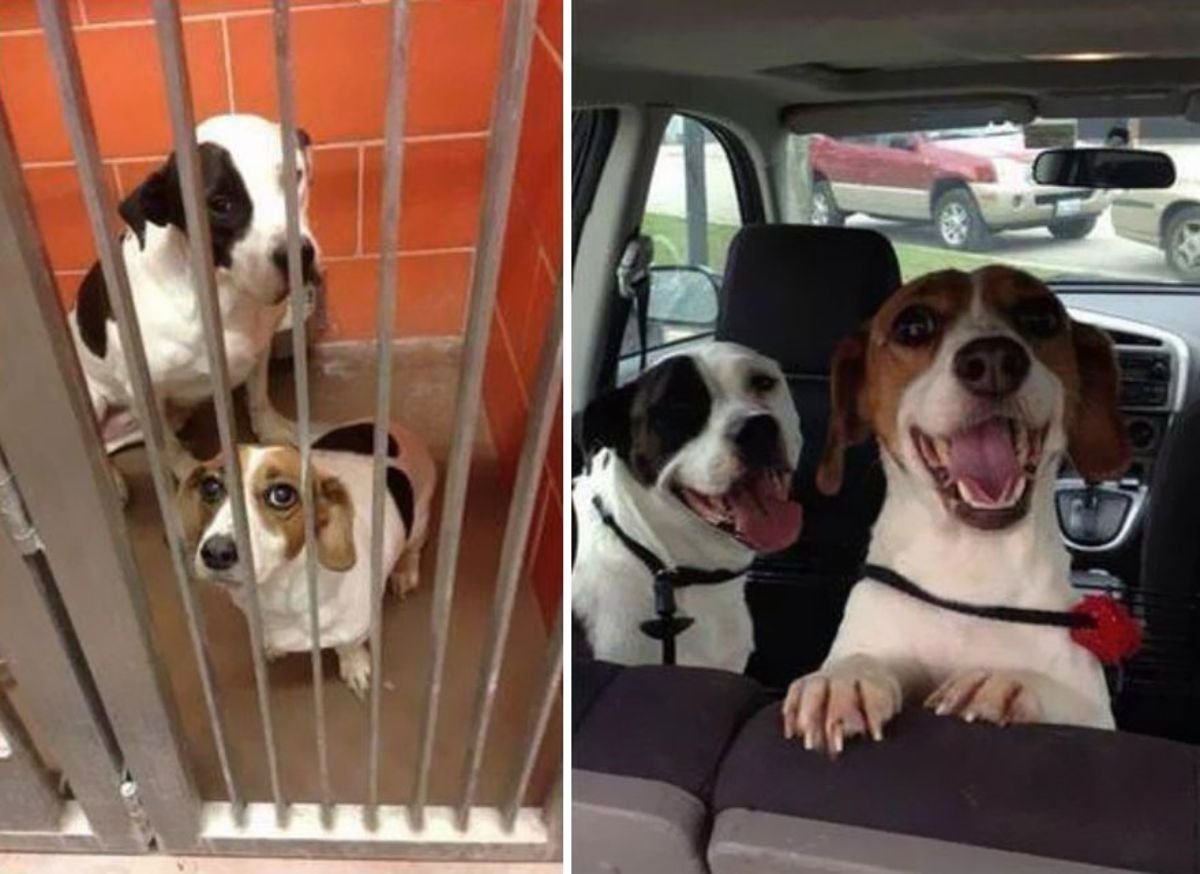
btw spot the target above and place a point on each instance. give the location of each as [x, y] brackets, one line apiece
[1114, 635]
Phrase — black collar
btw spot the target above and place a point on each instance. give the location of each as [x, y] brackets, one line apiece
[667, 579]
[1058, 618]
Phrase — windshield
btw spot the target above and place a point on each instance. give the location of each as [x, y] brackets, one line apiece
[962, 197]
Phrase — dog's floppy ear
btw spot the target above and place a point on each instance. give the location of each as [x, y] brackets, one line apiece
[847, 426]
[607, 422]
[335, 524]
[151, 201]
[1096, 439]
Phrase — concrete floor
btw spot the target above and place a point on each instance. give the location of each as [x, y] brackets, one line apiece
[426, 373]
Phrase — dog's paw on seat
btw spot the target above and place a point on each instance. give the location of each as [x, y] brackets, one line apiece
[1002, 697]
[354, 667]
[827, 708]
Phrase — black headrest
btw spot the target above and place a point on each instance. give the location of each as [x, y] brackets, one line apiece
[792, 291]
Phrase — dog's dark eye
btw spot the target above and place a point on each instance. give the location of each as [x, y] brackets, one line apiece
[220, 204]
[1037, 317]
[212, 489]
[915, 326]
[762, 382]
[280, 496]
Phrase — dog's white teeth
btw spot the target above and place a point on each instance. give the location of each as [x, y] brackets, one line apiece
[942, 447]
[1021, 444]
[979, 501]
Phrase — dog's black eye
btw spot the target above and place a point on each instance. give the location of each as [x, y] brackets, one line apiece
[1037, 317]
[220, 204]
[915, 326]
[280, 496]
[762, 383]
[212, 489]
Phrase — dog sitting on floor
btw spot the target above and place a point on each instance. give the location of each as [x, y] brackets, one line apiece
[240, 159]
[690, 467]
[976, 386]
[341, 486]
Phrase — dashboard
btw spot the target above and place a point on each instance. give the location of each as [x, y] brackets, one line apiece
[1156, 334]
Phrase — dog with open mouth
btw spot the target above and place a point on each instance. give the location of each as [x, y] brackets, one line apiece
[976, 386]
[689, 474]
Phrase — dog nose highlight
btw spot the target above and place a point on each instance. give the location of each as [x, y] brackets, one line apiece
[308, 255]
[219, 553]
[991, 366]
[757, 441]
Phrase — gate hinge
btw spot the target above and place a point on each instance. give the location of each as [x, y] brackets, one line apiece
[13, 516]
[133, 805]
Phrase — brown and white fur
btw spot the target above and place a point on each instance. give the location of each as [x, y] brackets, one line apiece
[912, 379]
[341, 485]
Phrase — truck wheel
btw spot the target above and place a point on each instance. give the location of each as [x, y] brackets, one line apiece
[1073, 229]
[1182, 243]
[958, 223]
[824, 208]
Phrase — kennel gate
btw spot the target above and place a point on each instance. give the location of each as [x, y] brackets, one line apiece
[74, 620]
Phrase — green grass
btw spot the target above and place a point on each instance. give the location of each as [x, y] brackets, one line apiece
[916, 260]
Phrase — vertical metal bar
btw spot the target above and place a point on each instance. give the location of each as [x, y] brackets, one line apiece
[385, 314]
[183, 131]
[512, 551]
[507, 107]
[539, 718]
[100, 210]
[289, 142]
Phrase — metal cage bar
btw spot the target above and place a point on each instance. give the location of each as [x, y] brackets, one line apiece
[385, 314]
[81, 131]
[179, 104]
[500, 167]
[539, 718]
[512, 551]
[299, 305]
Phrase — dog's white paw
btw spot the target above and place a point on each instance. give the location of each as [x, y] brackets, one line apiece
[354, 667]
[404, 580]
[828, 708]
[1001, 697]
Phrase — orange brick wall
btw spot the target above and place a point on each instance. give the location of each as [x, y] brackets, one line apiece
[528, 276]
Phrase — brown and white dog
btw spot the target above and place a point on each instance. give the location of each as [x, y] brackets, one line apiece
[341, 480]
[975, 386]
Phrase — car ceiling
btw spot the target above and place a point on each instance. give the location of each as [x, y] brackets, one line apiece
[775, 54]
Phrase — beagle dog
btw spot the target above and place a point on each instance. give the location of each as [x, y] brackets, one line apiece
[693, 463]
[341, 487]
[976, 386]
[243, 187]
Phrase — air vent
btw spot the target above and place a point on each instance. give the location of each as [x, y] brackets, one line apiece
[1124, 338]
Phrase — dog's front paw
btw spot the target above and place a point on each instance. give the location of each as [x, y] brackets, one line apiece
[271, 427]
[829, 707]
[354, 667]
[1001, 697]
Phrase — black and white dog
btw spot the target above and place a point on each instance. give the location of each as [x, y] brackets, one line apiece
[690, 469]
[243, 186]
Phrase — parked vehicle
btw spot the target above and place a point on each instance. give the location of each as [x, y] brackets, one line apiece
[969, 182]
[1168, 219]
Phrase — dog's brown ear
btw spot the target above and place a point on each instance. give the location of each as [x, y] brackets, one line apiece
[847, 426]
[1096, 439]
[335, 524]
[190, 507]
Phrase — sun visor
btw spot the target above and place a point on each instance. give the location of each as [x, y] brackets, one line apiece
[908, 115]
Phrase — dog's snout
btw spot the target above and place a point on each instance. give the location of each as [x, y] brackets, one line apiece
[991, 367]
[757, 441]
[219, 552]
[308, 255]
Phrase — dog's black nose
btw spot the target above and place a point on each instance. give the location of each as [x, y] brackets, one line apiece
[991, 367]
[757, 441]
[308, 255]
[219, 552]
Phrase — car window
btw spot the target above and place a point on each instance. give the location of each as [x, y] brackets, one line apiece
[963, 197]
[691, 215]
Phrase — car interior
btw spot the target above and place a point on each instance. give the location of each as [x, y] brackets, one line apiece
[717, 145]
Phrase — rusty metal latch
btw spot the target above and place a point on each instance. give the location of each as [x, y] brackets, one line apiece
[13, 515]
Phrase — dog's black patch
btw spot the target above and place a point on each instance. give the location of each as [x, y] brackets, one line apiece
[647, 421]
[93, 312]
[159, 200]
[400, 487]
[358, 438]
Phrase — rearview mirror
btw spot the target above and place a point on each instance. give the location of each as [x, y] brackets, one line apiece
[1104, 168]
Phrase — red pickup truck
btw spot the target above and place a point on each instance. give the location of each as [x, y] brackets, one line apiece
[969, 183]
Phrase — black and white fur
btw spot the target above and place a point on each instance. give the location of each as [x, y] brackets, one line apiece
[680, 428]
[241, 165]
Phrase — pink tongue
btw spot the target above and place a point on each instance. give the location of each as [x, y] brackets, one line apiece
[764, 517]
[984, 455]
